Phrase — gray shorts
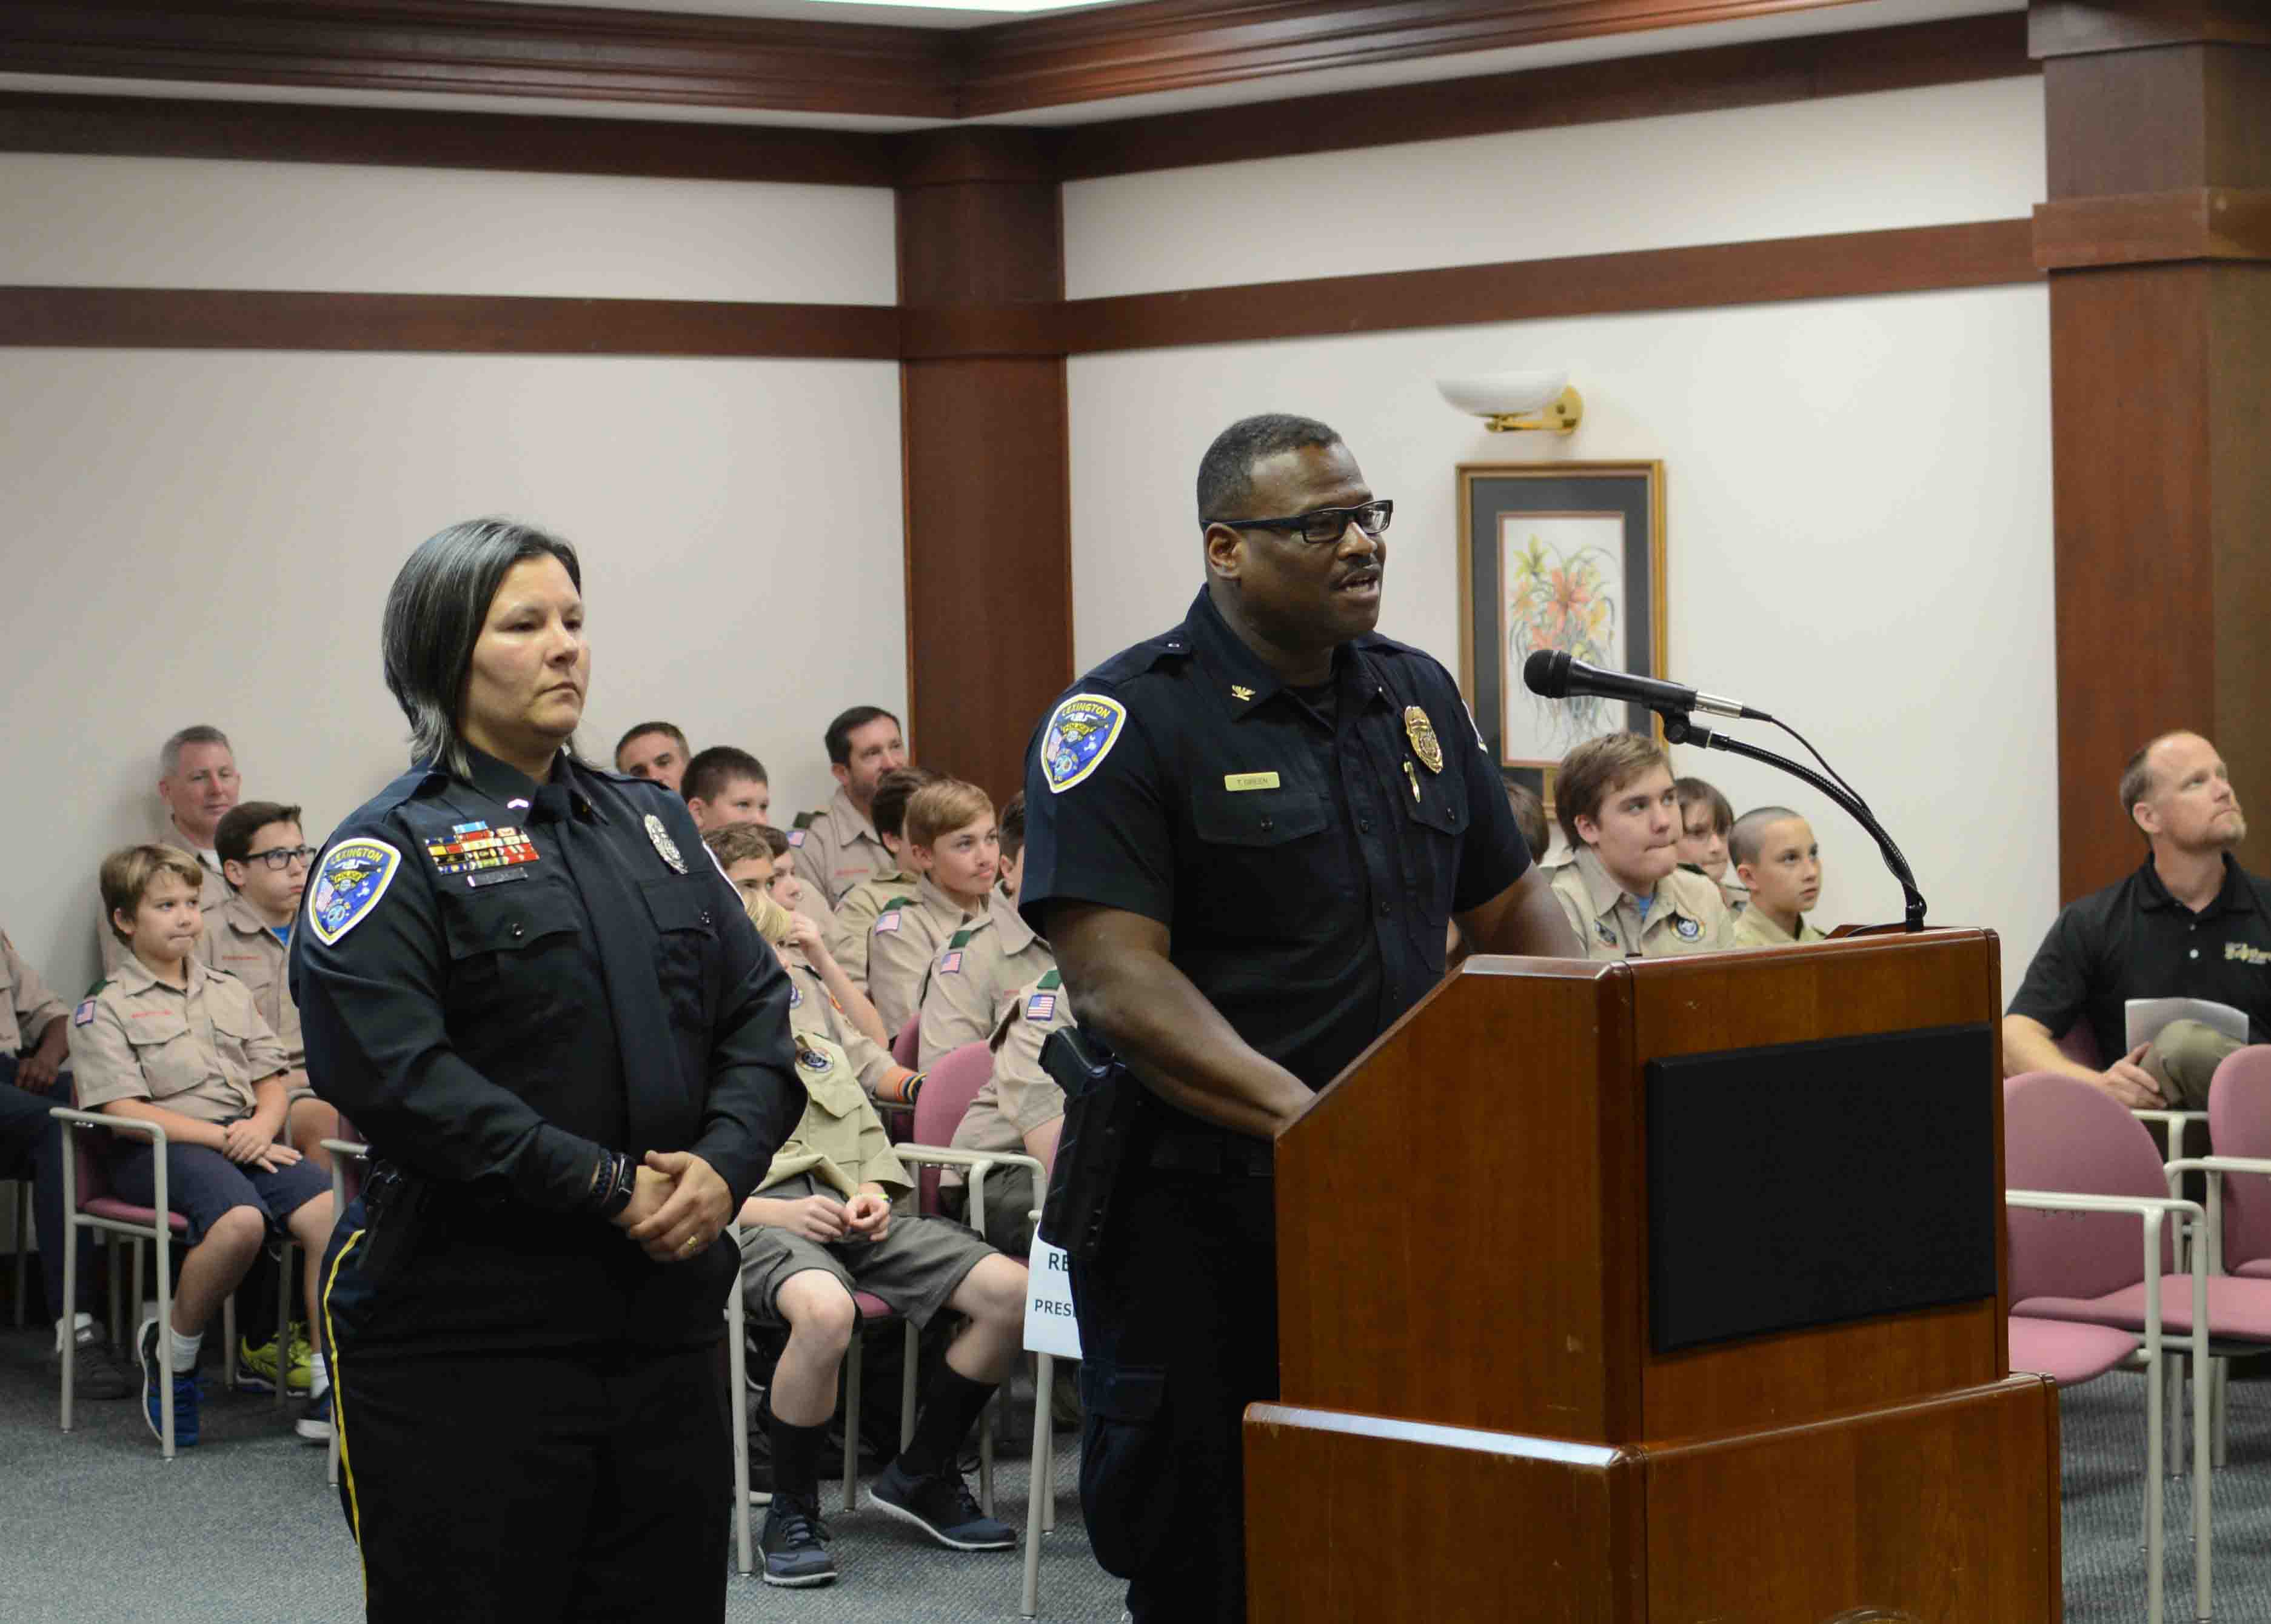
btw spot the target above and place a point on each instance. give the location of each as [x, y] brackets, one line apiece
[914, 1267]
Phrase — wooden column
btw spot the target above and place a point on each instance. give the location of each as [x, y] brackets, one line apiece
[988, 507]
[2156, 237]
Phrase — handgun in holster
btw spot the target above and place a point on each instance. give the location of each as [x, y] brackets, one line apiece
[1103, 1104]
[394, 1210]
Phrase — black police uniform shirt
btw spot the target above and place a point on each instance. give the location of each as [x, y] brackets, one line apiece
[2133, 939]
[500, 983]
[1305, 851]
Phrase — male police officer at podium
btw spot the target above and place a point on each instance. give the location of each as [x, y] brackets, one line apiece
[1245, 838]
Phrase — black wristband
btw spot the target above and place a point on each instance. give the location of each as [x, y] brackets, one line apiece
[612, 1186]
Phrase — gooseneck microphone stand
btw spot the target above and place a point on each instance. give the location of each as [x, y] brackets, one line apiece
[1680, 727]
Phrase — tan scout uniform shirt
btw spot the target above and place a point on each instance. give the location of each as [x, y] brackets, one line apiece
[216, 893]
[839, 1139]
[26, 1006]
[811, 1010]
[901, 945]
[237, 942]
[1019, 1096]
[838, 849]
[856, 916]
[1686, 915]
[1755, 930]
[976, 974]
[196, 1051]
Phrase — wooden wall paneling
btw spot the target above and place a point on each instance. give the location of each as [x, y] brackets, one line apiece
[1955, 51]
[290, 132]
[586, 53]
[464, 323]
[2161, 488]
[987, 459]
[1847, 266]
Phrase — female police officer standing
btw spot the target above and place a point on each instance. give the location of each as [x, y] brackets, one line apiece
[527, 986]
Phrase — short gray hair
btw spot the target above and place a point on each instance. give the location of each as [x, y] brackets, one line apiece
[434, 612]
[169, 753]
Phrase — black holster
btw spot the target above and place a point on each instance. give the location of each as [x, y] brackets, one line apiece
[1103, 1104]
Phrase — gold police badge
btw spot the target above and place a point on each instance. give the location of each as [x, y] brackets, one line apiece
[1421, 731]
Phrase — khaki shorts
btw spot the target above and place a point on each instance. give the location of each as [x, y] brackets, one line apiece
[914, 1267]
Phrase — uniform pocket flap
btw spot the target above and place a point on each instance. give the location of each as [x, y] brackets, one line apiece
[679, 904]
[506, 918]
[1132, 1394]
[232, 1020]
[1255, 817]
[145, 1028]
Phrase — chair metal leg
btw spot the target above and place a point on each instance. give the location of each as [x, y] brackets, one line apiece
[1038, 1494]
[2155, 1466]
[852, 1363]
[120, 1336]
[70, 1266]
[135, 1243]
[738, 1406]
[161, 1235]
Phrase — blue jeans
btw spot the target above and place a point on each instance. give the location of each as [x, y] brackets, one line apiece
[32, 1140]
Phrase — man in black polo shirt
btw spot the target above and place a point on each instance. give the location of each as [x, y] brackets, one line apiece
[1245, 838]
[2190, 922]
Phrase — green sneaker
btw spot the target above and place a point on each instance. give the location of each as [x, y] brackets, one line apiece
[256, 1367]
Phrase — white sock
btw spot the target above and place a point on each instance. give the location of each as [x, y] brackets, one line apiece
[79, 1323]
[185, 1350]
[319, 1375]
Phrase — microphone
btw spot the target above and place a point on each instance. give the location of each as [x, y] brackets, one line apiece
[1553, 674]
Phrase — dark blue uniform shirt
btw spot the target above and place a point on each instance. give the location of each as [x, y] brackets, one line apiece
[2133, 940]
[1305, 853]
[499, 984]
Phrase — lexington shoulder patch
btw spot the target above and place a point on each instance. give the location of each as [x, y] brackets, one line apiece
[1080, 732]
[354, 875]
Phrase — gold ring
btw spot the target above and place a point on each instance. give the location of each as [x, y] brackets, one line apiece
[693, 1244]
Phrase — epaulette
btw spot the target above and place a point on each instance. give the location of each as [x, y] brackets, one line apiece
[805, 820]
[907, 901]
[1138, 658]
[1049, 983]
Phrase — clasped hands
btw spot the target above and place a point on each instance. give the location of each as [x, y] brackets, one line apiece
[249, 1142]
[678, 1206]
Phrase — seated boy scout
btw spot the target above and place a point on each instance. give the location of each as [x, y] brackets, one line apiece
[977, 974]
[952, 842]
[172, 1041]
[1779, 862]
[868, 901]
[1706, 820]
[821, 1226]
[1622, 887]
[843, 846]
[1019, 1109]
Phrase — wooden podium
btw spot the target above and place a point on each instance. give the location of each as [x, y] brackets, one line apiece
[1663, 1290]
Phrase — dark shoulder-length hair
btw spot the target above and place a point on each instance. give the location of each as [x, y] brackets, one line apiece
[434, 612]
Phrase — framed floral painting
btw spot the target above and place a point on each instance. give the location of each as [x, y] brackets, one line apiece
[1558, 557]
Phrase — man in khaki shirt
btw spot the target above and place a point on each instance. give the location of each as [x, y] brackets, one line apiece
[1622, 888]
[973, 976]
[842, 845]
[198, 782]
[821, 1227]
[864, 904]
[35, 1047]
[1779, 861]
[1020, 1109]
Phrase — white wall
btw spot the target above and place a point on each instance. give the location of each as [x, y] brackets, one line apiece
[1938, 156]
[209, 537]
[162, 222]
[1859, 491]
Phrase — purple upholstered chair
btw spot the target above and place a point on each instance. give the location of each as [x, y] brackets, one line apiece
[2080, 1170]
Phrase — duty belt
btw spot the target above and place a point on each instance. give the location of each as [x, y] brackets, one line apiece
[1181, 1151]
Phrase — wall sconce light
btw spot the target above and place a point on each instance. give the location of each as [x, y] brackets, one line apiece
[1511, 401]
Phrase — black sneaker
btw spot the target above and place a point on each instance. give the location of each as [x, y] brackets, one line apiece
[97, 1372]
[795, 1543]
[940, 1506]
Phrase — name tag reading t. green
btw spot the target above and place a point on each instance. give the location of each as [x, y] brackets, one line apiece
[1250, 780]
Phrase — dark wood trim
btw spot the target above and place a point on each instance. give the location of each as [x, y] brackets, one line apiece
[297, 133]
[1175, 44]
[2205, 222]
[1853, 264]
[586, 53]
[1959, 51]
[2082, 27]
[193, 318]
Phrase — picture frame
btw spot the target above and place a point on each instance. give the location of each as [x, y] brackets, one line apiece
[1558, 555]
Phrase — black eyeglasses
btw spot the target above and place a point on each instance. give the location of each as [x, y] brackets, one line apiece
[282, 857]
[1323, 524]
